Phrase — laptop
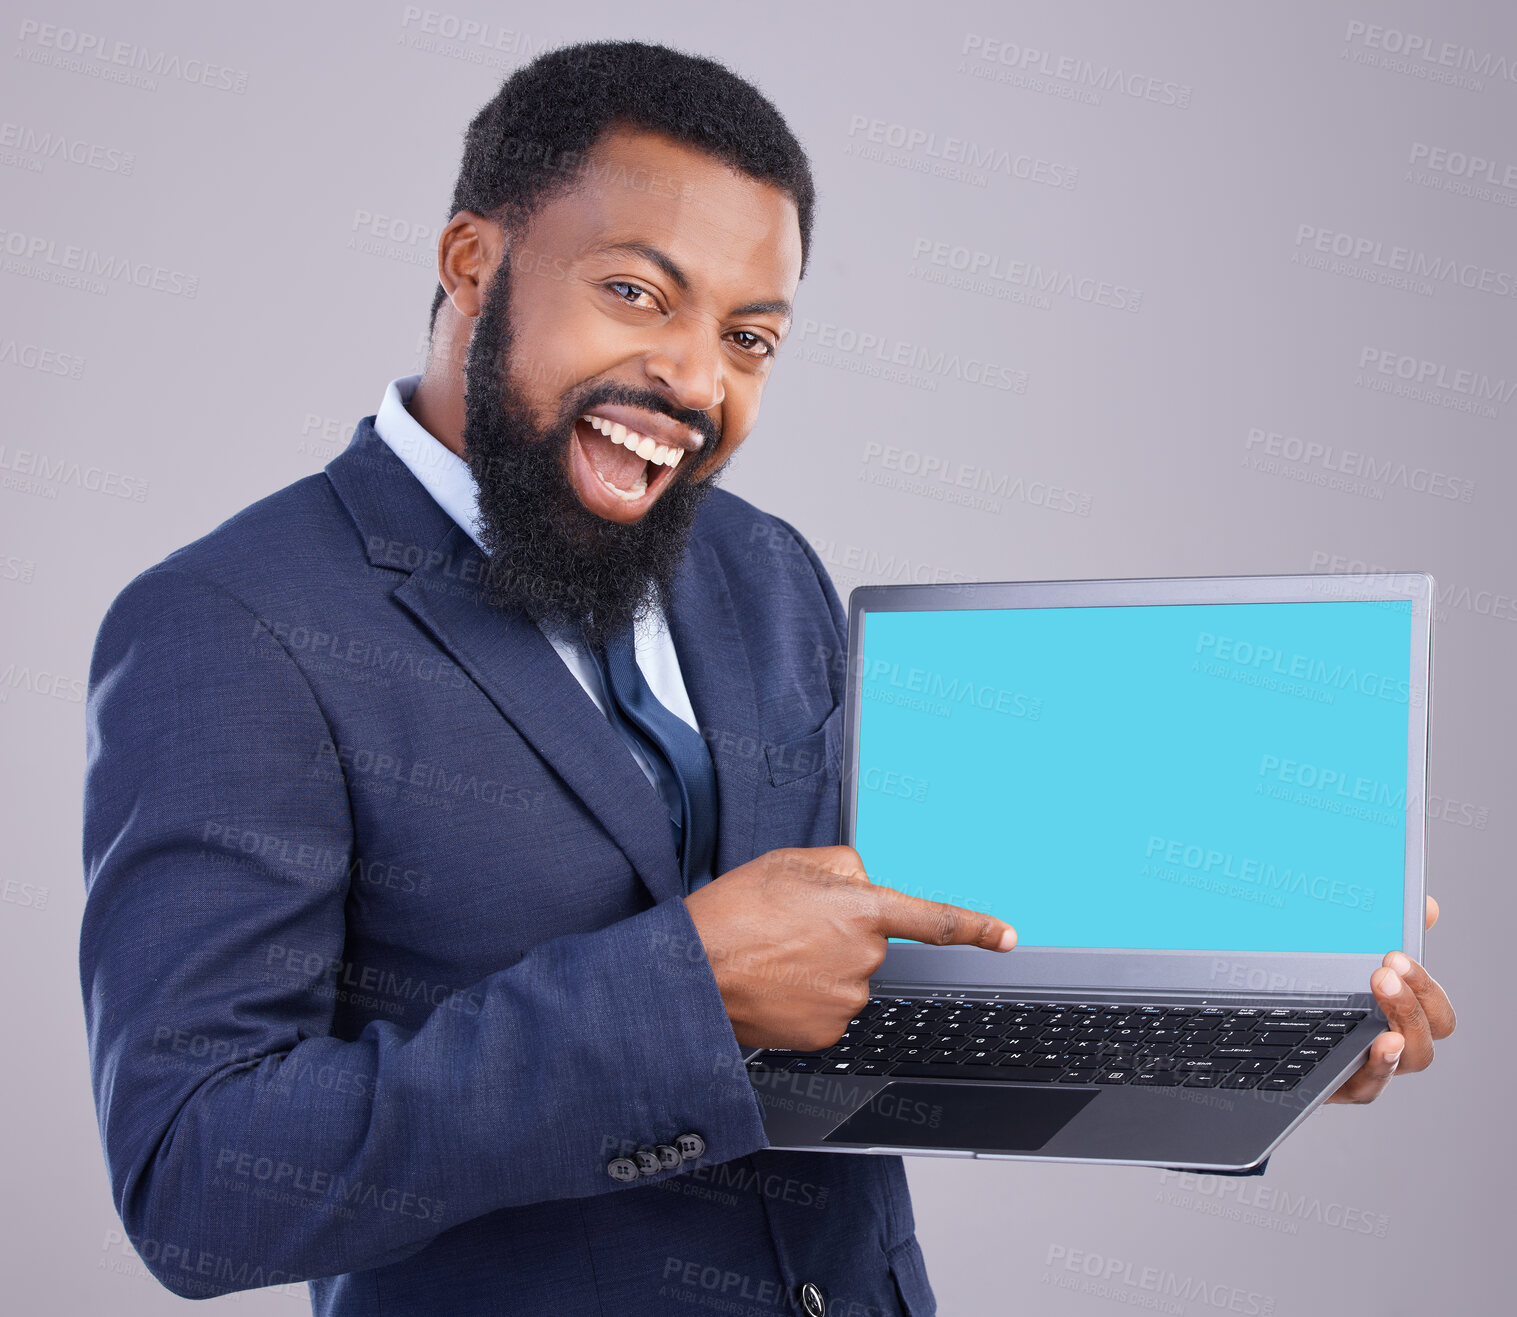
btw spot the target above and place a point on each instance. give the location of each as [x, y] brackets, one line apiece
[1200, 803]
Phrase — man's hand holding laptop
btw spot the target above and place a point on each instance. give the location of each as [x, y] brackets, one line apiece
[1419, 1012]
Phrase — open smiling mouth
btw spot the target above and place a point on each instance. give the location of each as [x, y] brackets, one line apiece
[630, 466]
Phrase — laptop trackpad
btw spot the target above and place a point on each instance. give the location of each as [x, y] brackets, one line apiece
[982, 1117]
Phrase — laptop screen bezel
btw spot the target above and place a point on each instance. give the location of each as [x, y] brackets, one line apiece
[1218, 971]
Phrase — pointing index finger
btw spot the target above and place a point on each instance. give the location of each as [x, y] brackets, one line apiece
[939, 923]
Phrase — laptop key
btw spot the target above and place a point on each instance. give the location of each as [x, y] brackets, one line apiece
[1279, 1085]
[1272, 1053]
[1202, 1081]
[1157, 1079]
[1015, 1074]
[873, 1068]
[1112, 1076]
[1239, 1081]
[1275, 1038]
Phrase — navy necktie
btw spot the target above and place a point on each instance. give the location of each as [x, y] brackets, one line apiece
[673, 745]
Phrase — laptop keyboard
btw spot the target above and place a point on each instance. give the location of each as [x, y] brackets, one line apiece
[1064, 1043]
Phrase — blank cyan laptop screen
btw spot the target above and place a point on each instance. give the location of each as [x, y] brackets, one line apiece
[1175, 777]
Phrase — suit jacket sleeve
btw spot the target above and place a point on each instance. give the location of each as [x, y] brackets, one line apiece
[246, 1144]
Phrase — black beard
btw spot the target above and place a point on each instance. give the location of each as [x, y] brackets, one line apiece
[569, 570]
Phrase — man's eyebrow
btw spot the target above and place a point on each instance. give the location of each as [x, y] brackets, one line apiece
[777, 307]
[666, 263]
[649, 252]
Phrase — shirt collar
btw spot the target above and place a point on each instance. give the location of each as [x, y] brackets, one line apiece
[442, 473]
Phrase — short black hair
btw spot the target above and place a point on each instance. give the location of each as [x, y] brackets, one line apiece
[528, 143]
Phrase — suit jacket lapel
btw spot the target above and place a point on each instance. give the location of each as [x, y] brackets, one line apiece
[506, 654]
[714, 663]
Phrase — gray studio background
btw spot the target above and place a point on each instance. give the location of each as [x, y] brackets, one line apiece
[1285, 343]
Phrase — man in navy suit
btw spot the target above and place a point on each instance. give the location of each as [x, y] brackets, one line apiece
[424, 935]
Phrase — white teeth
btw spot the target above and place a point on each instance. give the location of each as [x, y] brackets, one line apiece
[648, 449]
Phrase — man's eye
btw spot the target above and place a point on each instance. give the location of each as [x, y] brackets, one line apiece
[757, 344]
[632, 294]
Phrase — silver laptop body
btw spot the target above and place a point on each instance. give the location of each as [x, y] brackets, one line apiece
[1194, 706]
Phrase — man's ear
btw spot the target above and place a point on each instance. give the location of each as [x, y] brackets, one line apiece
[469, 249]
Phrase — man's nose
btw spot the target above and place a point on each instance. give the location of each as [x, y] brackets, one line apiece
[687, 363]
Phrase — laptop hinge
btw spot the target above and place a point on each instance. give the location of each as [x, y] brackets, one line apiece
[1101, 994]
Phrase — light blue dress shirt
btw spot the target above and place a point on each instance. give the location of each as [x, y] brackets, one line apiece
[447, 478]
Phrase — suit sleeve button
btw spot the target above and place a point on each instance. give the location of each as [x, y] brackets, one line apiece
[690, 1146]
[811, 1301]
[668, 1156]
[622, 1168]
[647, 1161]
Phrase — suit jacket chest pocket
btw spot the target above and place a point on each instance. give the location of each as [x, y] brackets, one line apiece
[799, 804]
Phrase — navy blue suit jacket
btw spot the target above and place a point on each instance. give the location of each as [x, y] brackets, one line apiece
[384, 955]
